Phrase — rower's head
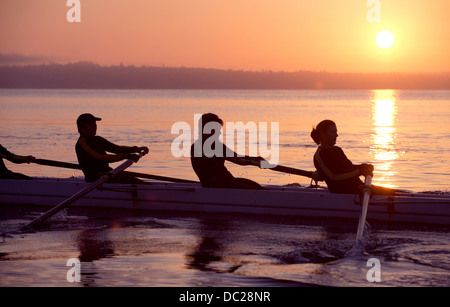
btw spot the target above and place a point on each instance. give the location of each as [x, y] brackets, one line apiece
[87, 124]
[325, 133]
[210, 125]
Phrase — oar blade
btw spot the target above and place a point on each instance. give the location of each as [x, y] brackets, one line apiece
[358, 246]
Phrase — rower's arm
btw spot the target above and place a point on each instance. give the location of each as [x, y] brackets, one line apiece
[22, 159]
[15, 158]
[119, 149]
[99, 156]
[328, 173]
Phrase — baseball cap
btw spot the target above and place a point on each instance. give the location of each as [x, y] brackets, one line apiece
[86, 118]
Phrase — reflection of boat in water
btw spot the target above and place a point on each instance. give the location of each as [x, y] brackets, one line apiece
[93, 245]
[209, 252]
[276, 200]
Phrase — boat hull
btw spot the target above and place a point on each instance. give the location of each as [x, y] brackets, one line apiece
[290, 201]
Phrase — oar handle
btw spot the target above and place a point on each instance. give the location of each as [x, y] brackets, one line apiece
[61, 164]
[289, 170]
[57, 164]
[134, 174]
[125, 165]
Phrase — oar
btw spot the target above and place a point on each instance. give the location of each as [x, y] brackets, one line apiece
[358, 247]
[79, 194]
[134, 174]
[156, 177]
[365, 206]
[289, 170]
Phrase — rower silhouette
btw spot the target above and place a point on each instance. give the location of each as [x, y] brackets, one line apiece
[208, 155]
[6, 173]
[340, 174]
[92, 151]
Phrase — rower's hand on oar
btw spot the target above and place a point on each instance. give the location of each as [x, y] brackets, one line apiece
[30, 159]
[133, 157]
[366, 169]
[142, 149]
[316, 176]
[24, 159]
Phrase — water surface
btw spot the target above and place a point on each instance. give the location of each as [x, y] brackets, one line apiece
[403, 133]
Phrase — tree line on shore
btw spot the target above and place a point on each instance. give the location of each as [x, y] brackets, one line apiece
[87, 75]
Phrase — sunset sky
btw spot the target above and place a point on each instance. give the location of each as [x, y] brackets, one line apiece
[288, 35]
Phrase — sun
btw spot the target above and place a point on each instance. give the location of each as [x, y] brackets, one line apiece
[385, 39]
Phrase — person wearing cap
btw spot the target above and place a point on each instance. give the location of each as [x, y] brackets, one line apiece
[92, 149]
[6, 173]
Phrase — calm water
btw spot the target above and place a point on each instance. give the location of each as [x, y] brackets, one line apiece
[403, 133]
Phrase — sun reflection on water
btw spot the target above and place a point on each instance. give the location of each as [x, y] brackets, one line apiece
[383, 138]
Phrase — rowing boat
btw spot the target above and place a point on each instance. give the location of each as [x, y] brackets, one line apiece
[276, 200]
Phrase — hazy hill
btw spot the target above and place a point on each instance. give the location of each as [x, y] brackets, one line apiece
[85, 75]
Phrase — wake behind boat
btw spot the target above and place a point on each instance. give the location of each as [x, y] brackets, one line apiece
[192, 197]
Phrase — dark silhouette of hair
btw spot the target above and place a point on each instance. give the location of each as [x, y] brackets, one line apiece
[210, 117]
[322, 127]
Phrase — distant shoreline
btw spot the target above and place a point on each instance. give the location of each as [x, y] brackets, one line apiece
[87, 75]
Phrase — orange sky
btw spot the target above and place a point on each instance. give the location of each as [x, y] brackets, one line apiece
[290, 35]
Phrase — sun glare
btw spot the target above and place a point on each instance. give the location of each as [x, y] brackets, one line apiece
[385, 39]
[384, 144]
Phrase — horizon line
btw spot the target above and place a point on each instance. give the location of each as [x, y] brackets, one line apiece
[87, 74]
[262, 70]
